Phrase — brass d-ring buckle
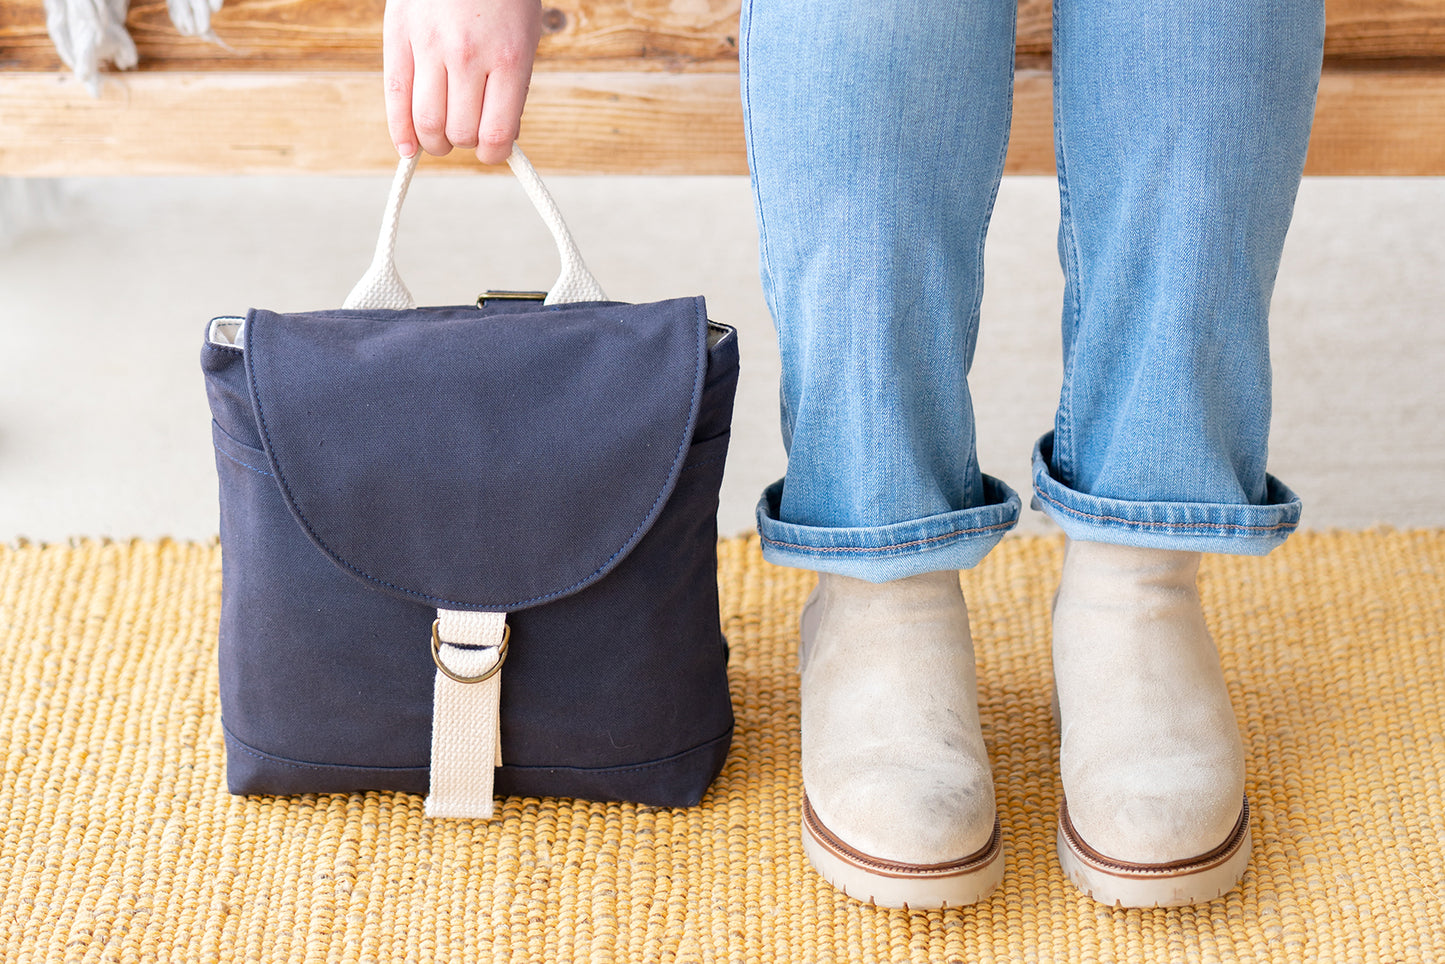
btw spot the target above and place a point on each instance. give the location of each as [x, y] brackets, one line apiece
[436, 655]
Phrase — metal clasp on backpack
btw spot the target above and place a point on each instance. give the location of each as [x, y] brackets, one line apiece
[487, 296]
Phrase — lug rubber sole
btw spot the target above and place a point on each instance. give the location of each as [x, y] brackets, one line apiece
[1120, 883]
[887, 883]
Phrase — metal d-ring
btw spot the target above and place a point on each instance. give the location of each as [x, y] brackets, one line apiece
[436, 655]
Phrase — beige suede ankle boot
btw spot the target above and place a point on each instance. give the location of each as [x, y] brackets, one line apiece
[898, 805]
[1154, 811]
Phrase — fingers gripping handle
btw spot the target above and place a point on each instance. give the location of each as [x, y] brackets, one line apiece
[382, 287]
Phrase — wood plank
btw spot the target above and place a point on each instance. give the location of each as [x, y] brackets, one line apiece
[326, 35]
[1358, 32]
[1031, 139]
[1379, 122]
[291, 123]
[331, 35]
[1368, 122]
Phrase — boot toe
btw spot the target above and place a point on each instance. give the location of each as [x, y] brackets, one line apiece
[1152, 812]
[890, 814]
[1158, 829]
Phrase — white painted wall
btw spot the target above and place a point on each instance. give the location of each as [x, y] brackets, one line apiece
[103, 422]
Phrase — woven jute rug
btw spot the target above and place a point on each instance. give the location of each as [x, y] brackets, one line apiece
[118, 841]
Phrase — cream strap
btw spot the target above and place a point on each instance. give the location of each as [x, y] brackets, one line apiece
[382, 287]
[466, 738]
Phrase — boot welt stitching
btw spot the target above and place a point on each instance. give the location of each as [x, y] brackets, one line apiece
[1177, 868]
[893, 868]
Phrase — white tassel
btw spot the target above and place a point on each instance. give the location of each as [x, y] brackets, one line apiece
[88, 34]
[193, 17]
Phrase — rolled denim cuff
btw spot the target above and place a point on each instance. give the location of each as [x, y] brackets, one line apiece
[950, 540]
[1244, 530]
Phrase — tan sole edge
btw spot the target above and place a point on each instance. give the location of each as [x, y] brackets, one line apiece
[1122, 884]
[885, 883]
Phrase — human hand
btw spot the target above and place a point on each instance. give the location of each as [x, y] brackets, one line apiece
[457, 73]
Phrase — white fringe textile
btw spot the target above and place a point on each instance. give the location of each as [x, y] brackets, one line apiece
[89, 33]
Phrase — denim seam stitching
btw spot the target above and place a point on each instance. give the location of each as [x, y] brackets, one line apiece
[221, 451]
[895, 545]
[1173, 525]
[998, 170]
[1062, 451]
[674, 472]
[744, 61]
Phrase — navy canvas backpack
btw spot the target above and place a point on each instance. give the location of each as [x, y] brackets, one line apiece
[472, 549]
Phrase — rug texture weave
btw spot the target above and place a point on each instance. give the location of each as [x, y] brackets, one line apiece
[118, 841]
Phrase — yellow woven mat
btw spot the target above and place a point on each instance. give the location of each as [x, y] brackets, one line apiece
[121, 844]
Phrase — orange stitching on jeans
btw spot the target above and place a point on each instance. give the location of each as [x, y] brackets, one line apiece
[1178, 525]
[896, 545]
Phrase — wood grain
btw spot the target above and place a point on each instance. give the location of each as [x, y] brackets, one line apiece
[327, 35]
[1379, 122]
[332, 35]
[291, 123]
[1364, 32]
[1368, 122]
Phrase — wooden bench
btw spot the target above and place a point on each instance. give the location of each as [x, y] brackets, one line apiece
[624, 86]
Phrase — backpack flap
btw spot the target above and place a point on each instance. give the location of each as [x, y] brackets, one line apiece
[474, 459]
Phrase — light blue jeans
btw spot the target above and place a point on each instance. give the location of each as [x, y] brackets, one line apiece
[876, 137]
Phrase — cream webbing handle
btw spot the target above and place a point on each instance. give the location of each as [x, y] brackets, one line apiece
[382, 287]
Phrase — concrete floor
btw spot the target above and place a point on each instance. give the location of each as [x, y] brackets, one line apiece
[104, 427]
